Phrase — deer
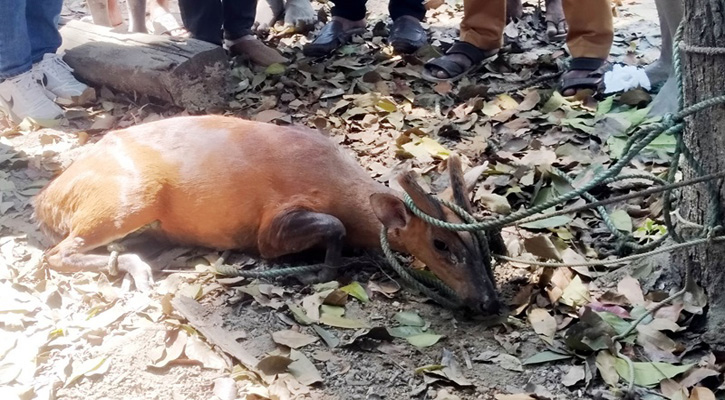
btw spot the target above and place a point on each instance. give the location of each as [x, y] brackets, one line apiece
[227, 183]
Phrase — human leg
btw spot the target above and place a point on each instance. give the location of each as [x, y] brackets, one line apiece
[481, 37]
[590, 38]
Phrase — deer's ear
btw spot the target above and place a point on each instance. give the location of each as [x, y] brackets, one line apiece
[390, 210]
[461, 184]
[458, 183]
[424, 201]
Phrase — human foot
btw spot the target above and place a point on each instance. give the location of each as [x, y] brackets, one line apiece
[256, 51]
[460, 59]
[514, 9]
[658, 71]
[407, 35]
[556, 26]
[22, 96]
[583, 73]
[299, 14]
[333, 35]
[666, 101]
[268, 12]
[58, 79]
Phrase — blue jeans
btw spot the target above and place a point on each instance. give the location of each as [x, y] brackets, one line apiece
[29, 29]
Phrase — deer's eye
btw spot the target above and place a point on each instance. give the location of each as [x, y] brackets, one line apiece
[440, 245]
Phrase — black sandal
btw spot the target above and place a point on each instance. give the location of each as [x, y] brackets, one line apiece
[455, 70]
[594, 79]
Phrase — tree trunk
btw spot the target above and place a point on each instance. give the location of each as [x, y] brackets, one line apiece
[705, 137]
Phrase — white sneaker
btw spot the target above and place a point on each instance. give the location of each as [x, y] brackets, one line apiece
[23, 97]
[56, 76]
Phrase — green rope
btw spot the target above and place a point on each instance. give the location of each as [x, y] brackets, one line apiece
[633, 195]
[231, 270]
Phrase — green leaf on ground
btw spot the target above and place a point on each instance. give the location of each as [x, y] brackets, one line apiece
[546, 356]
[409, 318]
[357, 291]
[424, 339]
[649, 373]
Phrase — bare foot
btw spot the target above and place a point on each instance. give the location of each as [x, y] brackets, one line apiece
[573, 74]
[299, 13]
[459, 59]
[514, 9]
[556, 26]
[268, 12]
[658, 71]
[666, 100]
[255, 50]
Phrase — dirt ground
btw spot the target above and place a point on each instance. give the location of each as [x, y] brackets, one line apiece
[78, 336]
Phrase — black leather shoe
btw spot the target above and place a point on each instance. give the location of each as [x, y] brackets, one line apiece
[331, 37]
[407, 35]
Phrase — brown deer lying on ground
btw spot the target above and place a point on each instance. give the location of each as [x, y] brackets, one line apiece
[227, 183]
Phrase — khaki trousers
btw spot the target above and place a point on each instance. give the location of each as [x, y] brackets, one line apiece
[590, 25]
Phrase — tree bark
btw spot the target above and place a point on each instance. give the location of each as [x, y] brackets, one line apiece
[705, 137]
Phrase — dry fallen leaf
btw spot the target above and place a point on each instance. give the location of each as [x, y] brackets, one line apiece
[520, 396]
[293, 339]
[629, 287]
[605, 365]
[269, 116]
[509, 362]
[174, 347]
[576, 293]
[694, 376]
[701, 393]
[559, 279]
[450, 371]
[303, 369]
[543, 324]
[649, 337]
[494, 202]
[530, 101]
[198, 350]
[225, 389]
[273, 365]
[97, 365]
[542, 246]
[575, 375]
[673, 390]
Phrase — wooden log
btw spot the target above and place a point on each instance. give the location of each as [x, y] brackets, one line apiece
[210, 326]
[191, 73]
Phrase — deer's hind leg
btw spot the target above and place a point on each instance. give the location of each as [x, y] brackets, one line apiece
[69, 255]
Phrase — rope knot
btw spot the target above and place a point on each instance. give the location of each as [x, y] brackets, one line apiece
[713, 232]
[669, 120]
[624, 246]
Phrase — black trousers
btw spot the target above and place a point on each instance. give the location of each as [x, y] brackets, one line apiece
[355, 9]
[207, 19]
